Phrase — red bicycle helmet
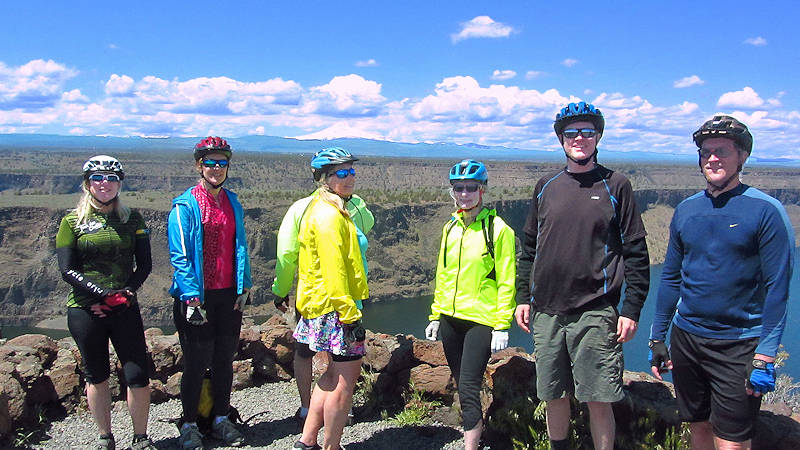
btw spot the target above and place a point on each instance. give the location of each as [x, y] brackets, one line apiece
[212, 144]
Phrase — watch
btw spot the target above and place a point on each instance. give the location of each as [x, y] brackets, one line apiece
[652, 342]
[759, 364]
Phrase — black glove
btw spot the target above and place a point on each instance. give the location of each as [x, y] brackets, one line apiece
[659, 355]
[280, 302]
[354, 332]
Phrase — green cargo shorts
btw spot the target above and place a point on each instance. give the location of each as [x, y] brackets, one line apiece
[578, 353]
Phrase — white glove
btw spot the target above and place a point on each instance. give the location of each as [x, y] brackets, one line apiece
[241, 300]
[432, 331]
[499, 340]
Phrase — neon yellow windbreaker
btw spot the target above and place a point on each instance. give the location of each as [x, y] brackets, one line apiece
[463, 289]
[330, 274]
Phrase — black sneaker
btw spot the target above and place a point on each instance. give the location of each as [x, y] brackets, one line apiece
[301, 446]
[142, 442]
[106, 442]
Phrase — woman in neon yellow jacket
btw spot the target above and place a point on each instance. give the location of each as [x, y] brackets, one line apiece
[331, 277]
[473, 303]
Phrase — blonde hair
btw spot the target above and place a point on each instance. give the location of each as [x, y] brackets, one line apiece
[86, 205]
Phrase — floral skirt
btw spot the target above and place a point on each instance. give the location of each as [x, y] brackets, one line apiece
[326, 334]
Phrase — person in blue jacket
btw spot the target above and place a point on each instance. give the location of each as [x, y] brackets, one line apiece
[210, 285]
[724, 289]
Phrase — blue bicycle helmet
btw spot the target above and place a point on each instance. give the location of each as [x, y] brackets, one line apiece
[328, 157]
[469, 169]
[579, 112]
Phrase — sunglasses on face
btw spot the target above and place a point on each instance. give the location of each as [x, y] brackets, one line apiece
[706, 153]
[465, 187]
[99, 177]
[572, 133]
[223, 163]
[343, 173]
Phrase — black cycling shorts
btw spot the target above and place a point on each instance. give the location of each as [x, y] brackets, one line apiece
[126, 332]
[709, 376]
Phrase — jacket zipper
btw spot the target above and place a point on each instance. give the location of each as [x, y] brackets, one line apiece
[458, 272]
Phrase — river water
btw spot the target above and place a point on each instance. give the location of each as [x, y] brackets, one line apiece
[410, 316]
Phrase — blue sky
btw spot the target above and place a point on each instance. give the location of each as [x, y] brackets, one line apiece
[492, 73]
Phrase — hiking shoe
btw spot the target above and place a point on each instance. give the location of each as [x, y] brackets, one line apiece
[142, 442]
[227, 432]
[301, 446]
[191, 438]
[106, 442]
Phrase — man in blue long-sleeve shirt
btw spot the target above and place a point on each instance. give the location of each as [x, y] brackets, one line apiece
[724, 288]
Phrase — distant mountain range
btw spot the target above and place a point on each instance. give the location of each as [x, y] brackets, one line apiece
[367, 147]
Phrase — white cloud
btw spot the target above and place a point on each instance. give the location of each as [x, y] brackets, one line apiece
[35, 85]
[685, 82]
[349, 95]
[747, 98]
[119, 85]
[502, 75]
[457, 109]
[569, 62]
[757, 41]
[482, 27]
[531, 74]
[368, 63]
[112, 46]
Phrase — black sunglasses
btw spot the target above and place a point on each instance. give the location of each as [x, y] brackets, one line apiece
[572, 133]
[465, 187]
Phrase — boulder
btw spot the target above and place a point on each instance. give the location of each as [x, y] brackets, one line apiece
[64, 376]
[44, 347]
[437, 380]
[172, 388]
[250, 344]
[388, 353]
[428, 352]
[166, 356]
[242, 374]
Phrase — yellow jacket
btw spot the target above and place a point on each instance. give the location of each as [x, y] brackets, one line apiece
[470, 285]
[330, 271]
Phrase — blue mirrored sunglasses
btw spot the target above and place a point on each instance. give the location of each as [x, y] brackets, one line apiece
[215, 163]
[343, 173]
[110, 177]
[572, 133]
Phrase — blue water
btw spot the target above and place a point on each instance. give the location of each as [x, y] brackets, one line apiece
[410, 316]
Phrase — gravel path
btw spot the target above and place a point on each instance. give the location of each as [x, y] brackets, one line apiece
[273, 427]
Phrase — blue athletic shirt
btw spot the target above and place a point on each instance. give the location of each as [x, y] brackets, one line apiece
[727, 269]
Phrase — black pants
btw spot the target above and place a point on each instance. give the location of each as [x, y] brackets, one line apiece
[125, 330]
[466, 347]
[211, 345]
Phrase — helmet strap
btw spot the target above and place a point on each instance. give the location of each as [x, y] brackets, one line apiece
[585, 161]
[720, 187]
[116, 197]
[215, 186]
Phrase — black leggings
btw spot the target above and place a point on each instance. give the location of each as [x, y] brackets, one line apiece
[125, 330]
[211, 345]
[466, 347]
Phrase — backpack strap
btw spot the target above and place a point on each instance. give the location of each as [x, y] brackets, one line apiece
[488, 238]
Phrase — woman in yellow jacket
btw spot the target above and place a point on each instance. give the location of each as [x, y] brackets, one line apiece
[473, 303]
[331, 278]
